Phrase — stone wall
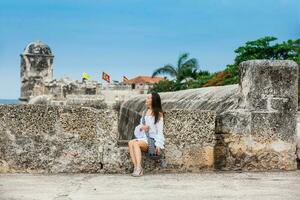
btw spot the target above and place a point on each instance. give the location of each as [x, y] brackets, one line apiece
[190, 139]
[36, 68]
[53, 139]
[38, 138]
[260, 134]
[298, 139]
[217, 99]
[254, 128]
[37, 77]
[255, 120]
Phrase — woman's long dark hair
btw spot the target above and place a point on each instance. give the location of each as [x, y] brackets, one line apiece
[156, 106]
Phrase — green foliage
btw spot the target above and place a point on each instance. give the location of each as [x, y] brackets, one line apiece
[258, 49]
[184, 69]
[187, 75]
[198, 79]
[218, 79]
[233, 71]
[263, 48]
[165, 86]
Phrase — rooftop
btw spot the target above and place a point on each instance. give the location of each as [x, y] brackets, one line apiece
[37, 48]
[144, 79]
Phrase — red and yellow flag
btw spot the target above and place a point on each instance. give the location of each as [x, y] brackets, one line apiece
[105, 77]
[125, 79]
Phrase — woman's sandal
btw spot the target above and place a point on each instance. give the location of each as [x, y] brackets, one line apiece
[141, 172]
[133, 171]
[138, 172]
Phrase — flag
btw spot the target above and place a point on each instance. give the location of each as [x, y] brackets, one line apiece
[105, 77]
[125, 79]
[85, 76]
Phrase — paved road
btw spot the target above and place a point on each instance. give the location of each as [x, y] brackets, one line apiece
[206, 185]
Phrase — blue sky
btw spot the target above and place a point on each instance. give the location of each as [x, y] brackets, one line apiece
[134, 37]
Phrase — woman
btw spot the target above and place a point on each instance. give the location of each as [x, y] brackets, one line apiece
[154, 126]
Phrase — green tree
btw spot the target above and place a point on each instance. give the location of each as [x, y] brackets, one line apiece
[186, 72]
[197, 79]
[184, 69]
[263, 48]
[166, 86]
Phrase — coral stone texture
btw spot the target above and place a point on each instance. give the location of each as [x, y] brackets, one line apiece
[40, 138]
[260, 134]
[255, 120]
[36, 68]
[250, 126]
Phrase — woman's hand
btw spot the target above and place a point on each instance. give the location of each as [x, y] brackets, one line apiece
[145, 128]
[157, 150]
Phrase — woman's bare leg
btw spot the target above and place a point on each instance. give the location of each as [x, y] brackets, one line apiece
[137, 147]
[131, 151]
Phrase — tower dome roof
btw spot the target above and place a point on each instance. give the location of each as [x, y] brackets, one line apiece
[37, 47]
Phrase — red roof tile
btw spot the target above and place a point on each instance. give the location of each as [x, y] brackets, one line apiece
[144, 79]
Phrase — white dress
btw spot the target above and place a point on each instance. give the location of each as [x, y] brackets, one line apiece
[155, 131]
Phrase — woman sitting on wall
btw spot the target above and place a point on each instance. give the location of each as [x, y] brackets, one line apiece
[152, 124]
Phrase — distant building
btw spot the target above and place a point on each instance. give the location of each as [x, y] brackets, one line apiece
[143, 82]
[36, 69]
[37, 76]
[37, 82]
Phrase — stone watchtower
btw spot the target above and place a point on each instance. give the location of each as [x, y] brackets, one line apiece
[36, 69]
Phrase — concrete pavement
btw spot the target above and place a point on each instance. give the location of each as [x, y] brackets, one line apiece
[206, 185]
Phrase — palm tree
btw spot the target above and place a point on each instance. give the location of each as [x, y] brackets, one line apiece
[185, 68]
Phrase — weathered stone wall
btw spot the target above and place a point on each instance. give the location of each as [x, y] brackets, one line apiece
[255, 122]
[36, 68]
[298, 138]
[190, 139]
[37, 76]
[255, 128]
[52, 139]
[37, 138]
[218, 99]
[260, 134]
[63, 87]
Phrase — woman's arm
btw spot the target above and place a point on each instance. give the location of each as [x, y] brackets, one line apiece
[138, 130]
[160, 138]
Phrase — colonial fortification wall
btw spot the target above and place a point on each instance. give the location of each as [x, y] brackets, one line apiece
[37, 77]
[261, 133]
[255, 122]
[41, 138]
[250, 126]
